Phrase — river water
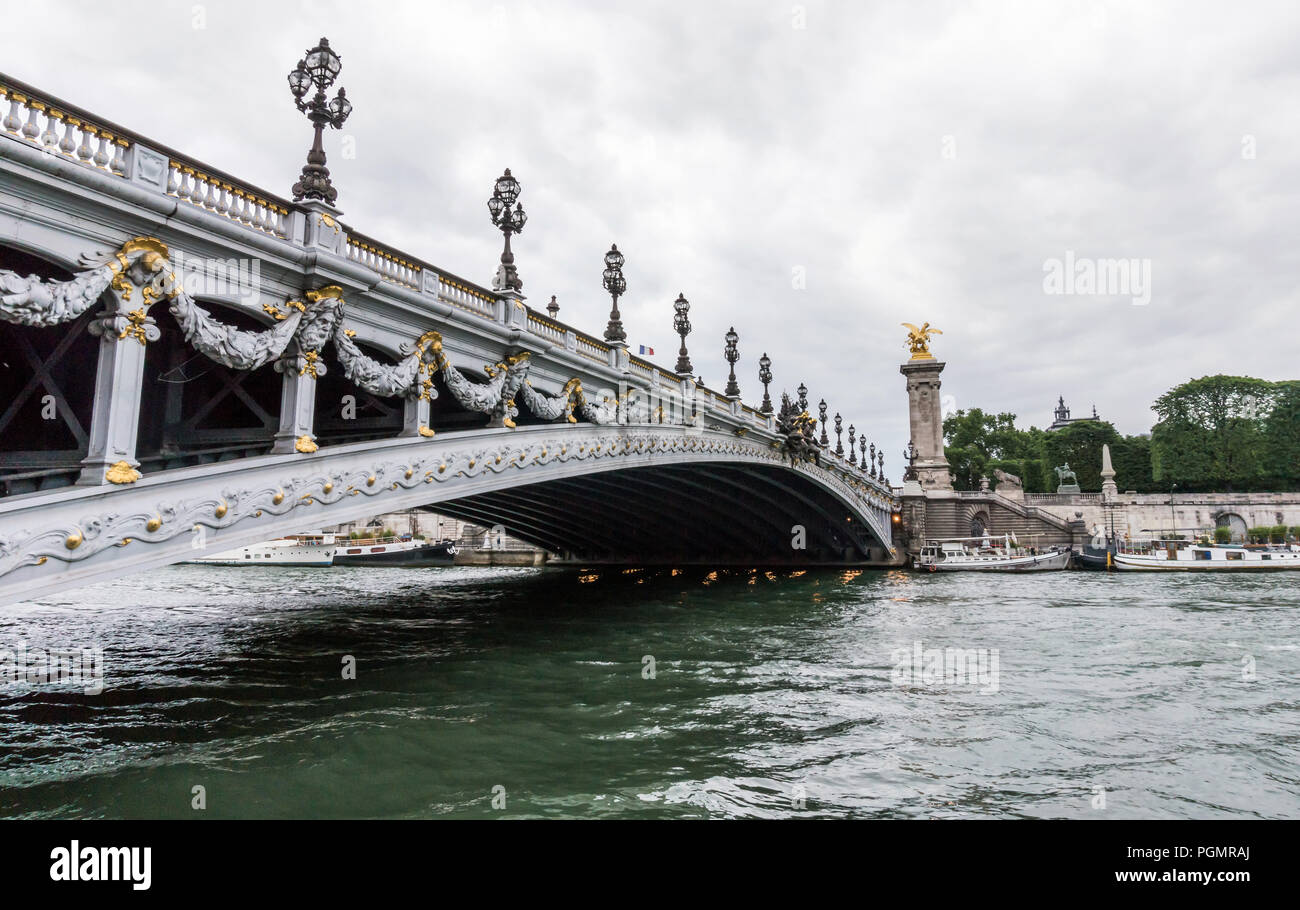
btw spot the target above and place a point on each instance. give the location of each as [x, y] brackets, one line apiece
[544, 693]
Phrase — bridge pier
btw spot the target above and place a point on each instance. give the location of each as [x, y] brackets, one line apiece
[297, 407]
[119, 377]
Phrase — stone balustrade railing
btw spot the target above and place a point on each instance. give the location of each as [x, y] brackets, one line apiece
[642, 370]
[391, 265]
[62, 130]
[546, 328]
[592, 348]
[466, 296]
[1061, 499]
[240, 203]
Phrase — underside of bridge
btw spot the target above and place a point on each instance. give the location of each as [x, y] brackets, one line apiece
[684, 514]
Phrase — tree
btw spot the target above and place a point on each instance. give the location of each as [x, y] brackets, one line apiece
[1210, 434]
[1282, 438]
[1131, 458]
[980, 442]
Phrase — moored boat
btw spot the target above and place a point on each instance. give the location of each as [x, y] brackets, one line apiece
[302, 550]
[395, 551]
[986, 554]
[1187, 556]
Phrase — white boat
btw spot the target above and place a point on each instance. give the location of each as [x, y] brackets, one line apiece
[987, 554]
[295, 550]
[1187, 556]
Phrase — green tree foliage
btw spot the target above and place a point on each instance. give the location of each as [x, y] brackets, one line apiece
[979, 442]
[1281, 447]
[1214, 433]
[1131, 458]
[1211, 433]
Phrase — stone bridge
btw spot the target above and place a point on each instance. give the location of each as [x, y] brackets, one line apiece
[187, 360]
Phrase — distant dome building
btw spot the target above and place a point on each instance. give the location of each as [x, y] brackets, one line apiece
[1063, 418]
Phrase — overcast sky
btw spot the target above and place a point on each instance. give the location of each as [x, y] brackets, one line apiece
[918, 161]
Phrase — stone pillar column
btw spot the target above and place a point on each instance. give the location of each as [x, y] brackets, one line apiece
[119, 376]
[415, 417]
[925, 411]
[511, 311]
[297, 405]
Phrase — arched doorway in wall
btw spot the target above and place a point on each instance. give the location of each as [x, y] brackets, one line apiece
[47, 391]
[1234, 523]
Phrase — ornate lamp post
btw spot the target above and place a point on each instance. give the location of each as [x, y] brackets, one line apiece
[320, 68]
[910, 454]
[765, 377]
[732, 355]
[682, 326]
[862, 446]
[803, 398]
[880, 459]
[821, 412]
[853, 446]
[553, 308]
[614, 282]
[873, 459]
[839, 443]
[510, 221]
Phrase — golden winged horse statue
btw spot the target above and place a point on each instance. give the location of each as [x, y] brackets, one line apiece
[918, 340]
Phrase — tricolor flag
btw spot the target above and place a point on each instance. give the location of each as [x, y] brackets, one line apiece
[648, 352]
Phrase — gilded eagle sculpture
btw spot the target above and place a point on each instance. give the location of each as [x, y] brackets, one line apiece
[918, 340]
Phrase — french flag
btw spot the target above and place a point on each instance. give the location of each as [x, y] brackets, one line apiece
[648, 352]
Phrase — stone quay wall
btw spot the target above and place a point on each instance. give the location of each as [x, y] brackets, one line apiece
[1139, 515]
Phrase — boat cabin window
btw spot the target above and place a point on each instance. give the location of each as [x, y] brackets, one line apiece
[1236, 554]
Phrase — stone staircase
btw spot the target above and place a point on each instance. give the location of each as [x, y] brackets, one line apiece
[952, 516]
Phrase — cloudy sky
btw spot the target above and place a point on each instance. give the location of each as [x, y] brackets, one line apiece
[912, 160]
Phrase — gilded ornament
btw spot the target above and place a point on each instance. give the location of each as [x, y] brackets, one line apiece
[121, 472]
[918, 340]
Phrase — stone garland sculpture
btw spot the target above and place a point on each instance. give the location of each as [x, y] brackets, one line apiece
[227, 345]
[294, 343]
[411, 377]
[32, 301]
[552, 407]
